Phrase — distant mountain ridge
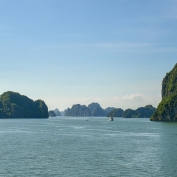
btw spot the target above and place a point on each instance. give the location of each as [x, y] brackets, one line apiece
[95, 110]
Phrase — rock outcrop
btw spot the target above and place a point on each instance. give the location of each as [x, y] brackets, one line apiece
[96, 110]
[108, 110]
[129, 113]
[169, 83]
[78, 110]
[93, 109]
[116, 113]
[167, 109]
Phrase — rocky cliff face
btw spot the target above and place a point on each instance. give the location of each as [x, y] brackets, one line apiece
[169, 83]
[167, 109]
[93, 109]
[78, 110]
[96, 110]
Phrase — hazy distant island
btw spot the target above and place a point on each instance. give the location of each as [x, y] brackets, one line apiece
[14, 105]
[52, 113]
[78, 110]
[118, 112]
[95, 110]
[167, 108]
[57, 112]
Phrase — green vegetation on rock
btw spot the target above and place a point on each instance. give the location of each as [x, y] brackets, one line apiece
[14, 105]
[169, 83]
[142, 112]
[145, 112]
[93, 109]
[78, 110]
[96, 110]
[167, 108]
[129, 113]
[116, 113]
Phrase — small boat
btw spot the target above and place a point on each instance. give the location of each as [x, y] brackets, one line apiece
[111, 118]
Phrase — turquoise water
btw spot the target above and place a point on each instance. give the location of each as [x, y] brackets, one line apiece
[74, 147]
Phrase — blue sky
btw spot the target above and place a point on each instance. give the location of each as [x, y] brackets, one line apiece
[65, 52]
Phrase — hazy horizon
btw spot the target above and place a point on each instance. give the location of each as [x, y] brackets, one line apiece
[115, 52]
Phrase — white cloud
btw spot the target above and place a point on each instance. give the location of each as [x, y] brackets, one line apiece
[87, 100]
[132, 97]
[136, 100]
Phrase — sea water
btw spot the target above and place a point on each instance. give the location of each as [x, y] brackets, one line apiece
[87, 147]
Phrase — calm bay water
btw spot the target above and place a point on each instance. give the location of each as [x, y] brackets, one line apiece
[74, 147]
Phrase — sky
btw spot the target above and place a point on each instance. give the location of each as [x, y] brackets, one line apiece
[65, 52]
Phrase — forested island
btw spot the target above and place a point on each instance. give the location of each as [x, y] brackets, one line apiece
[167, 108]
[14, 105]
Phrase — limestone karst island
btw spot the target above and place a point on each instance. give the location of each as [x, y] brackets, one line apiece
[14, 105]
